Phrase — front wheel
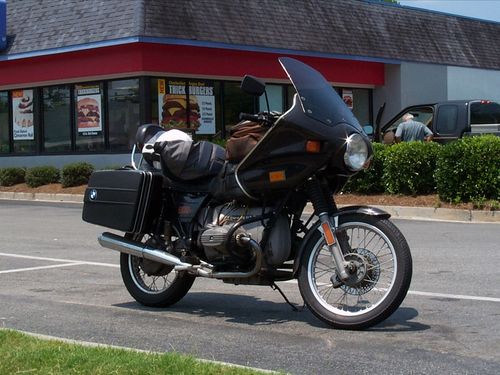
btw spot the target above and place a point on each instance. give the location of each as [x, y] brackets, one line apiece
[381, 270]
[150, 283]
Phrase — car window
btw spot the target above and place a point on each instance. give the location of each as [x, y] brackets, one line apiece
[484, 112]
[422, 114]
[447, 119]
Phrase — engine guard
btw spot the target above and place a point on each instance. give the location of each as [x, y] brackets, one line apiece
[364, 210]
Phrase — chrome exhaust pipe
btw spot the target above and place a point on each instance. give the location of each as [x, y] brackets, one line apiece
[138, 249]
[141, 250]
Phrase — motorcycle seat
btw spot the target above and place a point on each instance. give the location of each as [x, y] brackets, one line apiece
[181, 159]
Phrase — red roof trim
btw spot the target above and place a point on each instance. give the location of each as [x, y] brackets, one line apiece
[176, 59]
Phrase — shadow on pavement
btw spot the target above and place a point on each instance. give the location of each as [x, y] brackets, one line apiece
[253, 311]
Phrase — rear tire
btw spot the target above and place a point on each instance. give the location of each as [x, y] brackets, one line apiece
[374, 291]
[153, 284]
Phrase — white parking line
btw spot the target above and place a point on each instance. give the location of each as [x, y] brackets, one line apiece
[439, 295]
[60, 260]
[71, 262]
[42, 267]
[454, 296]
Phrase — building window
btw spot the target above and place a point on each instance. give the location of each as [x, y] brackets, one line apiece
[361, 105]
[24, 120]
[275, 97]
[57, 119]
[89, 119]
[124, 113]
[4, 123]
[236, 101]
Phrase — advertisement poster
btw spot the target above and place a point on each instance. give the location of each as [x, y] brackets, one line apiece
[348, 98]
[22, 115]
[172, 104]
[201, 93]
[175, 109]
[88, 109]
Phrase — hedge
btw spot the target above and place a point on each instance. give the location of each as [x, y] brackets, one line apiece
[38, 176]
[409, 168]
[12, 176]
[469, 170]
[76, 174]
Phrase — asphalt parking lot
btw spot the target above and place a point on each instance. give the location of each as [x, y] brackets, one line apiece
[55, 280]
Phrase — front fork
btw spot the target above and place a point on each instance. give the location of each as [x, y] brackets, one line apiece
[324, 206]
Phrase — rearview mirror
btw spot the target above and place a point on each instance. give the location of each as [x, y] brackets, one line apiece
[253, 86]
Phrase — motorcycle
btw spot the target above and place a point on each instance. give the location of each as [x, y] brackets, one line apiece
[190, 212]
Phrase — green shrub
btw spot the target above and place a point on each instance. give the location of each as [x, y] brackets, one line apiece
[370, 181]
[43, 175]
[76, 174]
[219, 141]
[469, 170]
[11, 176]
[409, 168]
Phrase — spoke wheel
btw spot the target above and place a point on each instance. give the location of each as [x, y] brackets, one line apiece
[379, 266]
[151, 283]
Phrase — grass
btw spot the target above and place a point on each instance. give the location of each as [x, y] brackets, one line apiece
[23, 354]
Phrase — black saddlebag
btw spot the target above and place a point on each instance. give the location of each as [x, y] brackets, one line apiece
[126, 200]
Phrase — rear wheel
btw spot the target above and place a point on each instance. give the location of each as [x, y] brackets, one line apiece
[151, 283]
[380, 275]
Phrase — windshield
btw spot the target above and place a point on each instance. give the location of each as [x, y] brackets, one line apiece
[318, 98]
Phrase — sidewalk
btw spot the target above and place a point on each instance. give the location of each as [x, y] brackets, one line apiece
[397, 212]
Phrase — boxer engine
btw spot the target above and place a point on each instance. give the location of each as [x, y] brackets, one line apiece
[215, 236]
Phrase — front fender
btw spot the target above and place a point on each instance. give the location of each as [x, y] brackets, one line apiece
[363, 210]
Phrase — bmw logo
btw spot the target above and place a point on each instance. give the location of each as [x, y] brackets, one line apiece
[93, 194]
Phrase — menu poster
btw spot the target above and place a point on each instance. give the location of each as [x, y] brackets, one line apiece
[22, 114]
[177, 111]
[172, 104]
[202, 106]
[348, 98]
[88, 109]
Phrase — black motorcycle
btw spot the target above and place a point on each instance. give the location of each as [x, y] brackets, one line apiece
[190, 211]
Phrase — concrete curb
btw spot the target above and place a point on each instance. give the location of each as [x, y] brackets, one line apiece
[76, 198]
[398, 212]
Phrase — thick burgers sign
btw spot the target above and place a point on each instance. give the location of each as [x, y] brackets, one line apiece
[187, 105]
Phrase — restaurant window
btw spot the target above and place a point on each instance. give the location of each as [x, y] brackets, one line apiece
[4, 123]
[57, 119]
[124, 113]
[275, 97]
[236, 101]
[191, 105]
[361, 106]
[24, 120]
[89, 117]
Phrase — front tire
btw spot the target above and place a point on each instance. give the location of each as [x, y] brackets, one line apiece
[372, 293]
[153, 284]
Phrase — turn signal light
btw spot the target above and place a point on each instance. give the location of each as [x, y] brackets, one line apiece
[277, 176]
[313, 147]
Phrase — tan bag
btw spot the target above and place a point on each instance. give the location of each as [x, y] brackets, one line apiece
[243, 138]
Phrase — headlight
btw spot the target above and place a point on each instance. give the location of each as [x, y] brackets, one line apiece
[356, 153]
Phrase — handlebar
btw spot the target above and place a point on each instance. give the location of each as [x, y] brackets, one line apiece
[250, 117]
[265, 118]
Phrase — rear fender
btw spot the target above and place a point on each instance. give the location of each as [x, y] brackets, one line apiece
[363, 210]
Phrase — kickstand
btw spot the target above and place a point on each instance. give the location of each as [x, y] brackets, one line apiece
[276, 287]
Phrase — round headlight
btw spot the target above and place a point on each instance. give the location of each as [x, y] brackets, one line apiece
[356, 153]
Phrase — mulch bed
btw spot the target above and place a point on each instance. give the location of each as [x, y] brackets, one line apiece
[431, 200]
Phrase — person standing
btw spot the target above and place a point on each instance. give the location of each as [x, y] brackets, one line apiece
[411, 130]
